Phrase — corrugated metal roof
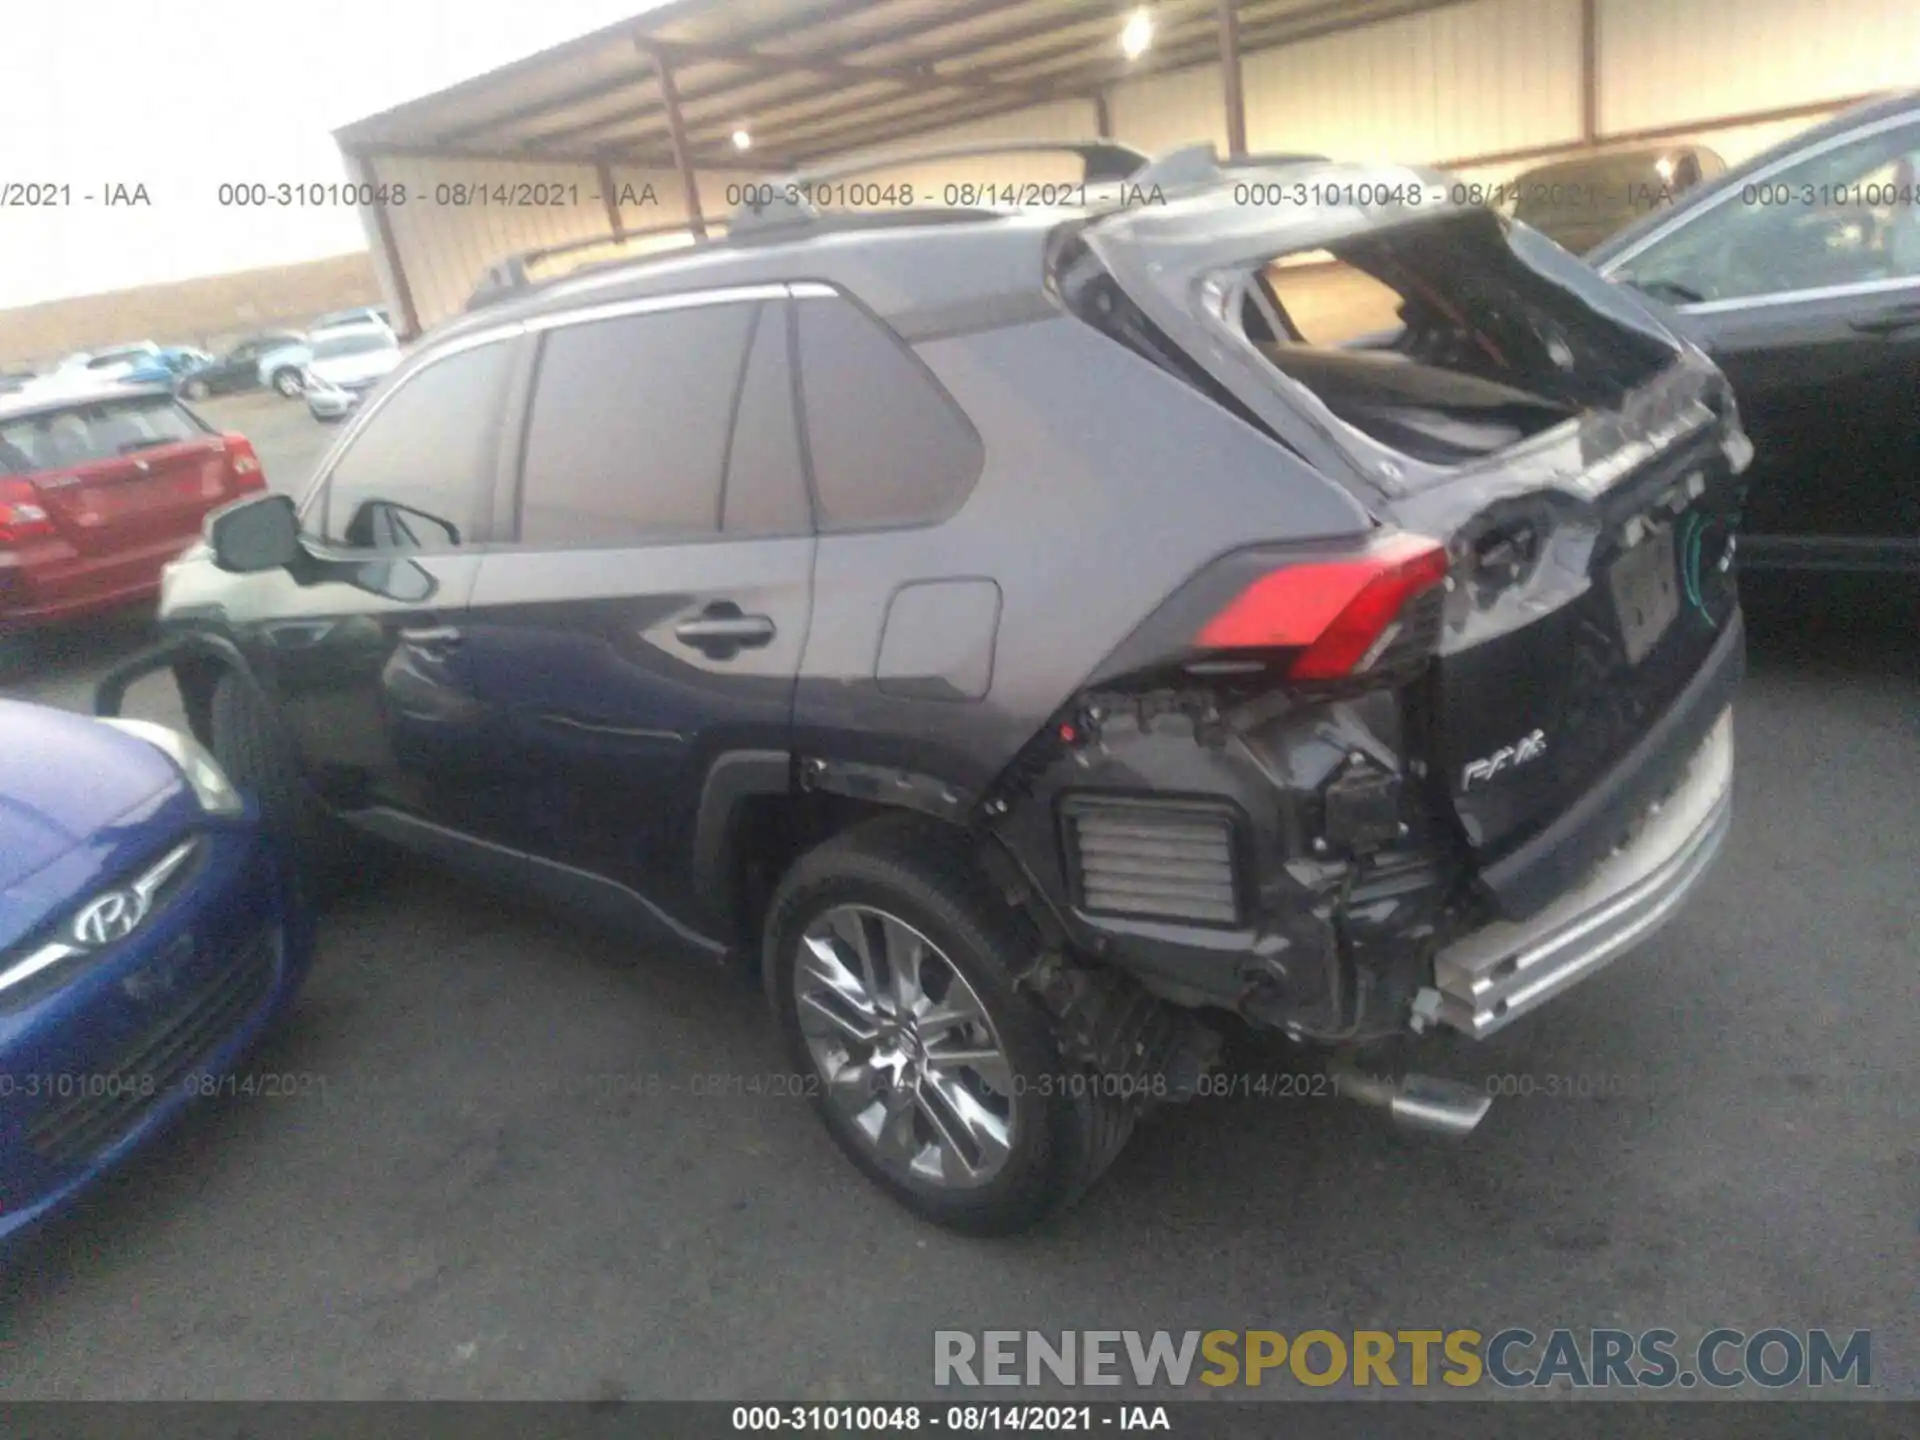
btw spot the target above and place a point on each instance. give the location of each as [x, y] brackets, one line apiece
[808, 78]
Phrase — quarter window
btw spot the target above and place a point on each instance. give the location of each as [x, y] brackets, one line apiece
[1845, 216]
[889, 446]
[429, 453]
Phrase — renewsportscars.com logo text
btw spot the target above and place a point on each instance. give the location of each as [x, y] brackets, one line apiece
[1513, 1358]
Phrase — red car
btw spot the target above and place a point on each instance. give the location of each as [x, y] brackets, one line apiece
[98, 490]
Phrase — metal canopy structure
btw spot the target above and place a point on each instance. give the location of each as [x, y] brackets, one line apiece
[814, 78]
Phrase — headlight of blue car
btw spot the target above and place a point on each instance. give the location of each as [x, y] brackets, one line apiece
[203, 773]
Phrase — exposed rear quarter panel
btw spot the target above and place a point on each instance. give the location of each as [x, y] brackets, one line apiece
[1107, 483]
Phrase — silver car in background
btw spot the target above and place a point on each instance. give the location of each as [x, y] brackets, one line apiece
[344, 365]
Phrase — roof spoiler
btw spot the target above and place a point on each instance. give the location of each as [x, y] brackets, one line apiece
[1201, 164]
[1102, 161]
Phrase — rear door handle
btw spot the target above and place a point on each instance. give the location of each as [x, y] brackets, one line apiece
[1904, 317]
[725, 632]
[434, 640]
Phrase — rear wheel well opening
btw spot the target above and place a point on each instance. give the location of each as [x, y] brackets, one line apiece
[770, 833]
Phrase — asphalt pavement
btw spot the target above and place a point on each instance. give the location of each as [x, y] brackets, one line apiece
[523, 1161]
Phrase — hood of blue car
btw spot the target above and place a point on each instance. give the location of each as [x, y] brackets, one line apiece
[67, 782]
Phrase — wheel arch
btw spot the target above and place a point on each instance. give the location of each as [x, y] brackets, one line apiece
[762, 810]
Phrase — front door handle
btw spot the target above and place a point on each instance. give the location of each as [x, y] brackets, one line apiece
[436, 641]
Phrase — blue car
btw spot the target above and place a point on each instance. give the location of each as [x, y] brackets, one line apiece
[166, 365]
[145, 943]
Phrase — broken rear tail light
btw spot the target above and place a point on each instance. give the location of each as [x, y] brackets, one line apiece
[1339, 615]
[22, 516]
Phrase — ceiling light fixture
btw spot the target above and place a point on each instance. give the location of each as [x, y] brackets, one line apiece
[1136, 36]
[742, 140]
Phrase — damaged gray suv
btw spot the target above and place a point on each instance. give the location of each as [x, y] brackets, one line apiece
[1030, 639]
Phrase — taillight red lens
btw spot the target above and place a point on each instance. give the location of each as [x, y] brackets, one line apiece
[1334, 612]
[243, 464]
[22, 515]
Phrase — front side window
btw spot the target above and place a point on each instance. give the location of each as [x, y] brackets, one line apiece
[627, 440]
[417, 476]
[1844, 216]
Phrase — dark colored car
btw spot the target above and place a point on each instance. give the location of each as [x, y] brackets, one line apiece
[1580, 202]
[99, 488]
[1799, 272]
[238, 369]
[1013, 634]
[145, 944]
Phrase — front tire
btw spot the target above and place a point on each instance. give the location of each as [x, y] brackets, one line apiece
[287, 381]
[254, 752]
[195, 390]
[890, 962]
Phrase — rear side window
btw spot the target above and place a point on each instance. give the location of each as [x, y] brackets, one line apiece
[87, 434]
[428, 450]
[628, 435]
[889, 446]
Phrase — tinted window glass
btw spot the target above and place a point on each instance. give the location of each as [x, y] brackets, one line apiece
[766, 488]
[429, 448]
[83, 434]
[628, 435]
[1840, 217]
[888, 446]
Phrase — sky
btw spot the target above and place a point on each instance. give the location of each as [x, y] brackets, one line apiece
[180, 96]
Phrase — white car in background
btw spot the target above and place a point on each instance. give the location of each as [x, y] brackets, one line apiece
[282, 369]
[88, 367]
[343, 365]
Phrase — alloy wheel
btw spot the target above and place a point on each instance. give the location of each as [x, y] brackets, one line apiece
[904, 1047]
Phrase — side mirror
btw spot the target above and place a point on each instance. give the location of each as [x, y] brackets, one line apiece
[259, 533]
[387, 525]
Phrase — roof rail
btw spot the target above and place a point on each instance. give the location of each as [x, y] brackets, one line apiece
[514, 273]
[784, 199]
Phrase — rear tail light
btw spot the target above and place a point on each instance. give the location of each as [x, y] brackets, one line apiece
[242, 464]
[22, 516]
[1339, 616]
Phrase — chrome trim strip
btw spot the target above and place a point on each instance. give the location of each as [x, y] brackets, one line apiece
[651, 304]
[46, 955]
[421, 362]
[146, 885]
[1492, 977]
[1795, 297]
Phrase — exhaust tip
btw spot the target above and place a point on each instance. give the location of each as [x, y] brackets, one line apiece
[1425, 1103]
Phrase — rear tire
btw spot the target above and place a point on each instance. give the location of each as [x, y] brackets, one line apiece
[287, 381]
[194, 390]
[905, 884]
[251, 748]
